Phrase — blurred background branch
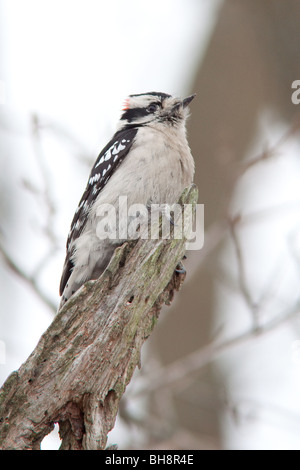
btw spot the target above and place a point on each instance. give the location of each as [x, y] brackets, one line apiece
[222, 368]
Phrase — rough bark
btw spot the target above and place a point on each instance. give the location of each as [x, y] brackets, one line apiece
[79, 370]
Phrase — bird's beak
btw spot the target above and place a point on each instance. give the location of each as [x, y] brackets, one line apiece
[181, 104]
[187, 100]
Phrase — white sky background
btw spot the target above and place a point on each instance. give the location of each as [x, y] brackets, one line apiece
[73, 63]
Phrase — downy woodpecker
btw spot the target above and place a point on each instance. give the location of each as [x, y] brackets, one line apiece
[148, 160]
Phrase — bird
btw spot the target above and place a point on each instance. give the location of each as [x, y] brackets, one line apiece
[147, 161]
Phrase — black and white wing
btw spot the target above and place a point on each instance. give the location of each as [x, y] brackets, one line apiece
[106, 164]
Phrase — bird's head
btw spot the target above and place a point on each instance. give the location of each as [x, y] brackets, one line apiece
[154, 108]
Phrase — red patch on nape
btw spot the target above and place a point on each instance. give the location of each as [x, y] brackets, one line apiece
[126, 105]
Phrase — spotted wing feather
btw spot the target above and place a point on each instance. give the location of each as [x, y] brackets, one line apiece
[106, 164]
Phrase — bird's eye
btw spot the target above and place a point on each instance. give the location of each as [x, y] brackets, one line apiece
[152, 108]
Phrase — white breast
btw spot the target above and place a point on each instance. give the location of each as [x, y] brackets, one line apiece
[158, 168]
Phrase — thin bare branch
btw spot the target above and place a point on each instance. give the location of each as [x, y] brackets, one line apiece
[31, 281]
[241, 276]
[173, 374]
[269, 152]
[45, 176]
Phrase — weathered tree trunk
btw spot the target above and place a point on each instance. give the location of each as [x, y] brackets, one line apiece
[79, 370]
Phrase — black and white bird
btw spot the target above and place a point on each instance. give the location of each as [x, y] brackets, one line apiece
[147, 160]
